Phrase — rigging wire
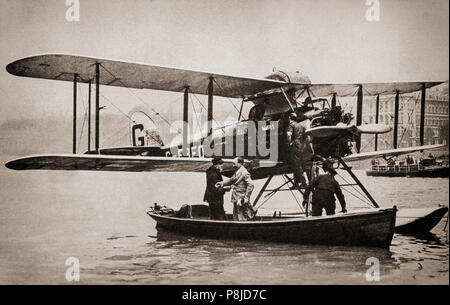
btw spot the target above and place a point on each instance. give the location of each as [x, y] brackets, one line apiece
[409, 114]
[115, 133]
[295, 197]
[84, 119]
[126, 134]
[214, 80]
[123, 113]
[362, 149]
[363, 199]
[357, 197]
[140, 99]
[267, 199]
[197, 118]
[231, 102]
[201, 104]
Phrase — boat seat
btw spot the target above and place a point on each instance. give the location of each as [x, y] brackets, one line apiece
[193, 211]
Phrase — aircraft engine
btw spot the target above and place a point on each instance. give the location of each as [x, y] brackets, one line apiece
[333, 146]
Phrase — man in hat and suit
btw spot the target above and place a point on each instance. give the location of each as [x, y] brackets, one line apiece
[214, 195]
[324, 187]
[243, 186]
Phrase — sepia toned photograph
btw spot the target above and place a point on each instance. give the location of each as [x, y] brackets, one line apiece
[238, 142]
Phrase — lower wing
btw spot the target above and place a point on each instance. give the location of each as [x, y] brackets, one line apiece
[389, 152]
[87, 162]
[112, 163]
[258, 168]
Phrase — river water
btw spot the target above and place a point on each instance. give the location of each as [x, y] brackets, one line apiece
[100, 219]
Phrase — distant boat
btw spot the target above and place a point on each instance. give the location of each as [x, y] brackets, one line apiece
[427, 167]
[373, 228]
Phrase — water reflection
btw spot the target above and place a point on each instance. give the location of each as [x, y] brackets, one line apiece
[176, 258]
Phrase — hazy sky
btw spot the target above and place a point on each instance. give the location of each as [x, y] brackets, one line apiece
[331, 41]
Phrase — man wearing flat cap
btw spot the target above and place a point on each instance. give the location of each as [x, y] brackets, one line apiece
[214, 195]
[324, 187]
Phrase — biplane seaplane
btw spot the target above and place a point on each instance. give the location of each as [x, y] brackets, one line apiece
[332, 133]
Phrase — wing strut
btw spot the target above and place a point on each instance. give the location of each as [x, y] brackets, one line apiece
[397, 102]
[287, 100]
[74, 138]
[89, 117]
[377, 114]
[359, 103]
[240, 110]
[422, 113]
[185, 120]
[97, 106]
[210, 105]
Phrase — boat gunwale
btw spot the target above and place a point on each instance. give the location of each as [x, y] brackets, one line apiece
[290, 220]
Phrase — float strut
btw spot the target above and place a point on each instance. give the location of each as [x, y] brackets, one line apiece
[262, 190]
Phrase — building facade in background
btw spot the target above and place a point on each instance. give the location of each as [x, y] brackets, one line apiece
[436, 119]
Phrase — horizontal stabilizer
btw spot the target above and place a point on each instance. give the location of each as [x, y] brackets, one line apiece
[373, 128]
[328, 131]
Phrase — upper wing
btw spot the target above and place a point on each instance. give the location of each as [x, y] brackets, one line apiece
[370, 89]
[136, 75]
[143, 76]
[389, 152]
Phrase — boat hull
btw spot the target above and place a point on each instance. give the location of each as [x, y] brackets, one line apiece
[420, 223]
[373, 228]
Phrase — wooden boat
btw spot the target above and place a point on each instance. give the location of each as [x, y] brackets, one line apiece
[419, 221]
[374, 228]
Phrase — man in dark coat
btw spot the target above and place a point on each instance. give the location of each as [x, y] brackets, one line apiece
[324, 188]
[214, 195]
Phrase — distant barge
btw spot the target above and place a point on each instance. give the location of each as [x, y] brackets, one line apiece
[415, 170]
[428, 167]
